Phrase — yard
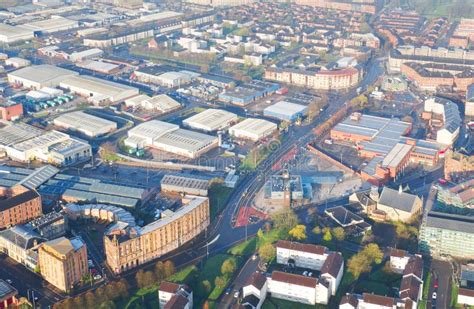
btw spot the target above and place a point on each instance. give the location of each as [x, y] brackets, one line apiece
[381, 281]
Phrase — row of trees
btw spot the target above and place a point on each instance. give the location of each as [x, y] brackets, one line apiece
[227, 269]
[103, 297]
[150, 277]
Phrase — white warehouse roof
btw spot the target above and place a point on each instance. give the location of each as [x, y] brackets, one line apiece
[285, 108]
[253, 128]
[10, 34]
[98, 88]
[44, 75]
[52, 25]
[211, 120]
[85, 123]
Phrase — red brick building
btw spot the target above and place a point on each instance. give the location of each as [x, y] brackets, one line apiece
[11, 111]
[19, 208]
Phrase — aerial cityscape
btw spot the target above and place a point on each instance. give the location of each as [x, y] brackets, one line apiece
[240, 154]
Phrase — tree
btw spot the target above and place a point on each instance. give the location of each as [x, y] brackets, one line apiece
[357, 265]
[317, 230]
[123, 288]
[100, 294]
[140, 278]
[373, 252]
[68, 303]
[206, 286]
[169, 269]
[219, 281]
[160, 270]
[228, 267]
[149, 278]
[79, 301]
[260, 233]
[298, 232]
[267, 252]
[339, 233]
[91, 300]
[111, 291]
[285, 219]
[327, 236]
[362, 261]
[108, 305]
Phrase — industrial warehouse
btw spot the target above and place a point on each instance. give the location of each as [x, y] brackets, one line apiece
[253, 129]
[285, 111]
[170, 138]
[161, 103]
[28, 143]
[382, 141]
[211, 120]
[184, 184]
[52, 186]
[82, 122]
[39, 76]
[98, 91]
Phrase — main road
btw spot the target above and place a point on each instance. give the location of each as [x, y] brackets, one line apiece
[243, 195]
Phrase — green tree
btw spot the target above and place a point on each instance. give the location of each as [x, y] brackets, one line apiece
[338, 233]
[219, 281]
[373, 252]
[285, 219]
[327, 236]
[108, 305]
[267, 252]
[228, 267]
[298, 232]
[317, 230]
[206, 287]
[357, 265]
[169, 269]
[363, 261]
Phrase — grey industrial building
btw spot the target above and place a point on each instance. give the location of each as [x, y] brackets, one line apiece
[184, 184]
[84, 123]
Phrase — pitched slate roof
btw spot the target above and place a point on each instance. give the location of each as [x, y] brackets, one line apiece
[398, 200]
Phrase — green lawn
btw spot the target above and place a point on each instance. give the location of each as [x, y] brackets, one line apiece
[142, 298]
[253, 159]
[426, 284]
[185, 275]
[245, 248]
[454, 294]
[365, 286]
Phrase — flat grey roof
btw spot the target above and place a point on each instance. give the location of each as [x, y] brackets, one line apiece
[42, 73]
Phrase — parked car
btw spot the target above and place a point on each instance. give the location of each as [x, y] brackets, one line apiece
[236, 294]
[434, 295]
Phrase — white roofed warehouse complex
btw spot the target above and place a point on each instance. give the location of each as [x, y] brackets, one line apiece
[285, 111]
[211, 120]
[161, 103]
[12, 34]
[253, 129]
[25, 143]
[39, 76]
[82, 122]
[170, 138]
[98, 91]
